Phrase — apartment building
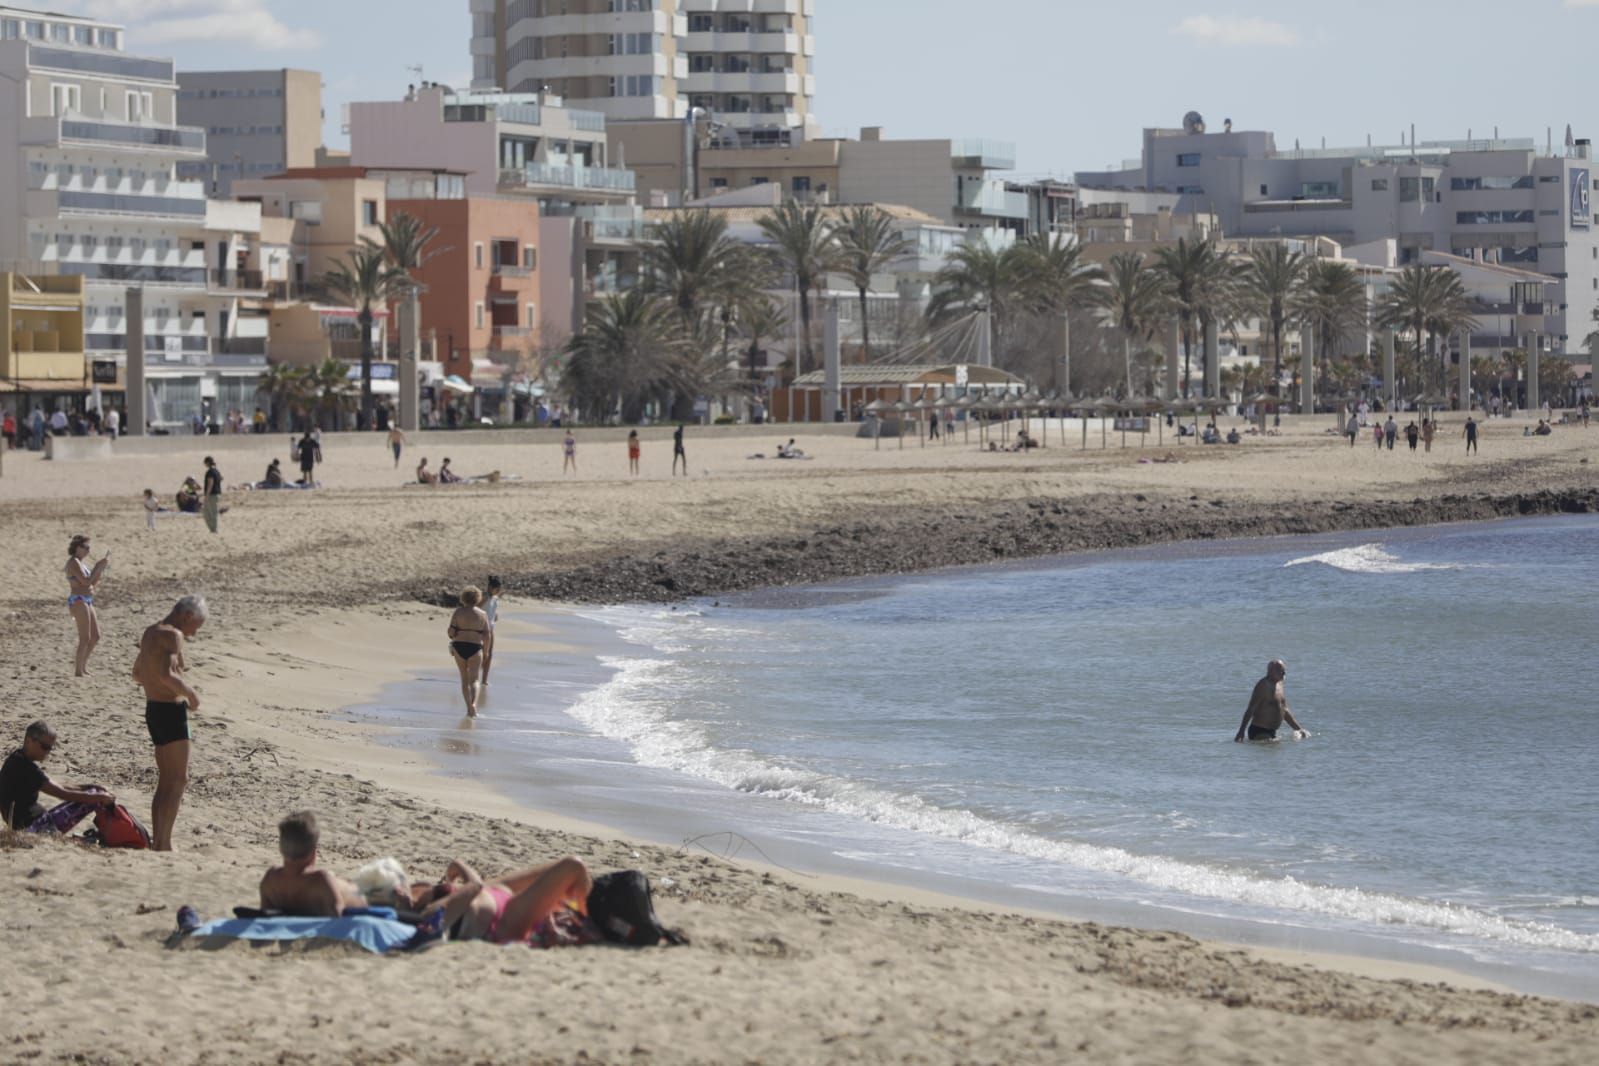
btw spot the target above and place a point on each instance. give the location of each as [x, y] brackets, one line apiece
[532, 149]
[89, 187]
[257, 123]
[1498, 202]
[41, 342]
[747, 62]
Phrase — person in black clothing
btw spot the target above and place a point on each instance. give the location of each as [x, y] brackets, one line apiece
[213, 494]
[310, 453]
[1471, 434]
[1412, 435]
[22, 779]
[677, 450]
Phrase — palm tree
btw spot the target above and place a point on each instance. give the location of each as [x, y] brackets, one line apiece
[806, 246]
[1429, 301]
[327, 389]
[284, 384]
[868, 244]
[1059, 280]
[1332, 301]
[366, 280]
[1134, 301]
[408, 242]
[760, 318]
[689, 258]
[978, 278]
[629, 351]
[1200, 282]
[1272, 278]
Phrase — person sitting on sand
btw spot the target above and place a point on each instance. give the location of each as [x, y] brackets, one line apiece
[299, 887]
[424, 476]
[1211, 435]
[22, 779]
[543, 906]
[783, 452]
[188, 497]
[274, 475]
[446, 475]
[1544, 429]
[1232, 436]
[1268, 707]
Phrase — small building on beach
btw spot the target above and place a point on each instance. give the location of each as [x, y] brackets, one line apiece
[802, 401]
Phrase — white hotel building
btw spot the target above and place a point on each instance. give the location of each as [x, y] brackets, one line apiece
[746, 62]
[89, 151]
[1504, 203]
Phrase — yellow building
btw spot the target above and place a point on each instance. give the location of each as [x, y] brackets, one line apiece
[41, 334]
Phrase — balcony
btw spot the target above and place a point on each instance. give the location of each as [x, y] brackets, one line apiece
[991, 200]
[128, 272]
[599, 179]
[111, 64]
[512, 332]
[103, 203]
[512, 270]
[983, 154]
[180, 140]
[236, 281]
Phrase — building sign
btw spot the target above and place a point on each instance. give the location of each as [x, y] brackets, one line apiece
[104, 371]
[1581, 200]
[961, 376]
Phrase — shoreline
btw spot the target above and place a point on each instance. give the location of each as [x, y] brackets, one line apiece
[315, 602]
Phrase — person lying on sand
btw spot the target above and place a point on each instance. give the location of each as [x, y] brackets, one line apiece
[22, 779]
[299, 887]
[542, 906]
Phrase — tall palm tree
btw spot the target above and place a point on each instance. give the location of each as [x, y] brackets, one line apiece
[1059, 278]
[804, 243]
[366, 280]
[629, 352]
[1332, 301]
[976, 277]
[868, 244]
[1200, 281]
[760, 318]
[1272, 278]
[408, 242]
[1429, 301]
[689, 258]
[1134, 300]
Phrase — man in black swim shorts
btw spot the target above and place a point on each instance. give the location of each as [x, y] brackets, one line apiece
[1268, 707]
[168, 701]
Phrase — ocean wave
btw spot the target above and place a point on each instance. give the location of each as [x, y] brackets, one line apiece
[1368, 559]
[636, 708]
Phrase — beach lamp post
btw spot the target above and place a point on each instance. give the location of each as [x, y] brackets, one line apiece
[1103, 407]
[873, 410]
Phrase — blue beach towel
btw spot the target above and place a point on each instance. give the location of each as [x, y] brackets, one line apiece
[376, 931]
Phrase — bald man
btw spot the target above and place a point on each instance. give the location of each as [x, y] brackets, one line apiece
[1268, 707]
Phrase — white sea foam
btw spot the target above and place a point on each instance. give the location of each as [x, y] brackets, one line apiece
[1368, 559]
[633, 708]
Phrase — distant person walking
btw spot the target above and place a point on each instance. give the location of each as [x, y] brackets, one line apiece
[1376, 433]
[1412, 434]
[1352, 427]
[569, 453]
[81, 582]
[212, 505]
[1268, 707]
[1429, 429]
[1471, 435]
[113, 422]
[168, 702]
[677, 450]
[310, 453]
[396, 443]
[1390, 431]
[491, 609]
[632, 452]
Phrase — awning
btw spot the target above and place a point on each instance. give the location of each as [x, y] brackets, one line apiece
[72, 385]
[455, 384]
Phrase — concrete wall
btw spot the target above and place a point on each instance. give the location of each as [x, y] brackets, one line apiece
[413, 133]
[915, 174]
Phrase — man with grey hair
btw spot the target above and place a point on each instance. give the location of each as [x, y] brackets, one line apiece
[168, 701]
[1268, 706]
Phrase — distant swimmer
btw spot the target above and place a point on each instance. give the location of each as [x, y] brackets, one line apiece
[1268, 706]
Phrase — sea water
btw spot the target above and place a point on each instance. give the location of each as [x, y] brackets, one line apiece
[1059, 734]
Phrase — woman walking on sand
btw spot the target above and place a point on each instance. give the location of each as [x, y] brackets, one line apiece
[491, 609]
[469, 630]
[569, 453]
[632, 452]
[81, 580]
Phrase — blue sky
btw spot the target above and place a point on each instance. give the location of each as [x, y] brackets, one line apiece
[1071, 83]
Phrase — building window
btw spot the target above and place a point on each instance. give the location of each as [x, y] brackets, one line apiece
[1490, 182]
[479, 312]
[1263, 191]
[530, 257]
[83, 35]
[1191, 190]
[140, 107]
[10, 29]
[760, 181]
[718, 183]
[701, 22]
[1415, 190]
[35, 31]
[802, 185]
[1379, 184]
[477, 258]
[1188, 159]
[701, 63]
[1490, 218]
[1316, 190]
[528, 321]
[65, 98]
[369, 212]
[60, 32]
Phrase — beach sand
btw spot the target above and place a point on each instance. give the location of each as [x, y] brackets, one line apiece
[315, 606]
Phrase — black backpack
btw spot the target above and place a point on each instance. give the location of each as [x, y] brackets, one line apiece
[620, 905]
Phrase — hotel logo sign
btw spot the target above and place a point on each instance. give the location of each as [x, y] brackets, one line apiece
[1581, 200]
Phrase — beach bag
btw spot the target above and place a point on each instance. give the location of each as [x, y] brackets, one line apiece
[620, 905]
[118, 828]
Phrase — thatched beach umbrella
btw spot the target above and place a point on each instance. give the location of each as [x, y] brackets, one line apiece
[1102, 407]
[966, 404]
[875, 409]
[902, 409]
[940, 407]
[1145, 406]
[922, 406]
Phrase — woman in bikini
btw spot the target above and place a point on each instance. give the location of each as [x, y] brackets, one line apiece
[543, 906]
[81, 581]
[469, 628]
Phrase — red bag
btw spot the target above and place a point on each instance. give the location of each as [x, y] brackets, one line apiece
[118, 828]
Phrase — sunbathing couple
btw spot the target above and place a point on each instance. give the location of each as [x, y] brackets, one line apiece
[543, 905]
[446, 476]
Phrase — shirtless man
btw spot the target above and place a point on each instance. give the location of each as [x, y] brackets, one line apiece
[298, 887]
[1268, 706]
[168, 701]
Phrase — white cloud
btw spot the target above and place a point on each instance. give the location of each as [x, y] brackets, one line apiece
[1582, 3]
[1232, 31]
[246, 22]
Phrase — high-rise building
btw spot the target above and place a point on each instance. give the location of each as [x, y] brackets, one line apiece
[257, 123]
[89, 151]
[747, 63]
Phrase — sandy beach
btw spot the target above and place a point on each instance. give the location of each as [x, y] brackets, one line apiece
[319, 599]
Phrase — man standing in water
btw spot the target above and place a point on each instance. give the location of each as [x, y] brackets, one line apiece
[168, 701]
[1268, 706]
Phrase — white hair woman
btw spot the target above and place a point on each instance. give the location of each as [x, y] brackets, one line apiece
[469, 629]
[81, 581]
